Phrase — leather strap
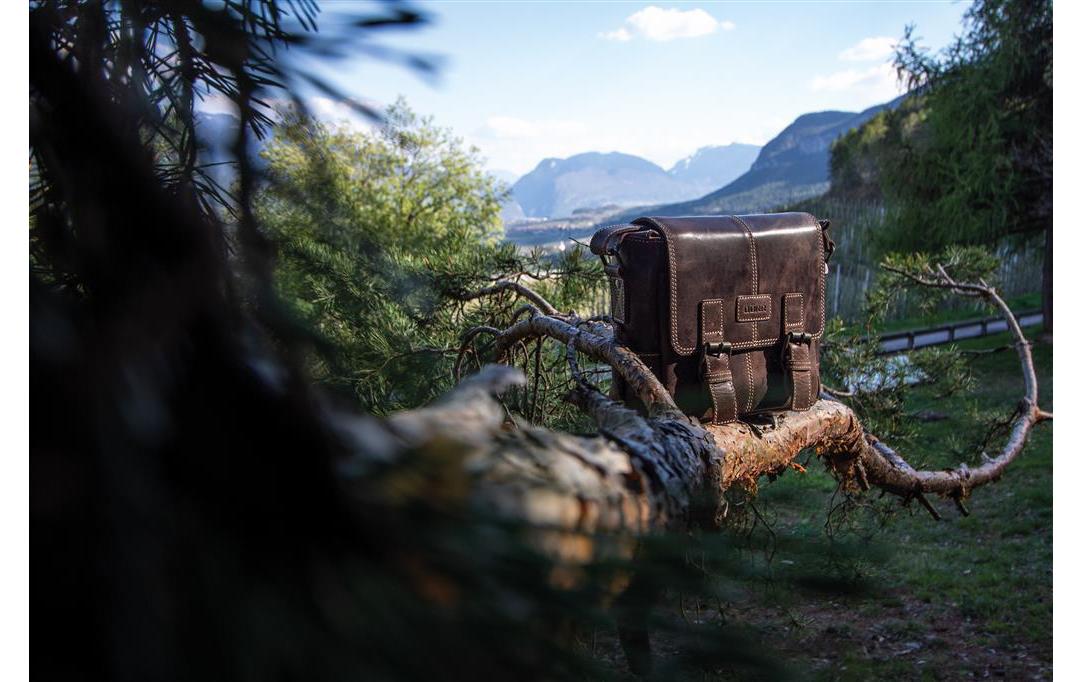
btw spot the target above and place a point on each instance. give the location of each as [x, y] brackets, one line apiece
[797, 353]
[716, 363]
[602, 243]
[616, 292]
[799, 364]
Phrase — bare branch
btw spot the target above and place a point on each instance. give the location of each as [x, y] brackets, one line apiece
[891, 472]
[521, 289]
[625, 362]
[837, 392]
[466, 344]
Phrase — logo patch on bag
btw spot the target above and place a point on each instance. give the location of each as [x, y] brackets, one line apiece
[754, 308]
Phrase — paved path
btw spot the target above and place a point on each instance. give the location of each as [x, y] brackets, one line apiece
[933, 336]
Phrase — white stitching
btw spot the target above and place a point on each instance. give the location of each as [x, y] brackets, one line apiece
[671, 255]
[703, 338]
[808, 381]
[751, 385]
[721, 317]
[755, 271]
[808, 378]
[786, 324]
[751, 253]
[770, 304]
[823, 279]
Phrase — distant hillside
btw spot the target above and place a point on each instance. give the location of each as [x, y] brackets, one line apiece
[712, 167]
[559, 187]
[504, 176]
[792, 166]
[861, 157]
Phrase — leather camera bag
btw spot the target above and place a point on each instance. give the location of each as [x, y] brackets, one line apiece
[727, 311]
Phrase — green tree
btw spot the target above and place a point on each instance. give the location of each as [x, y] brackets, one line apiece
[373, 229]
[972, 156]
[382, 235]
[967, 158]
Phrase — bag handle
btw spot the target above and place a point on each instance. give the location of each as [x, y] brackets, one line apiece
[601, 244]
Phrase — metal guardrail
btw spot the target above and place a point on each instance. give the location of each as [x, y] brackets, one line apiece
[897, 342]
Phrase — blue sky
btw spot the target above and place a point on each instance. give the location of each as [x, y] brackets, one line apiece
[528, 80]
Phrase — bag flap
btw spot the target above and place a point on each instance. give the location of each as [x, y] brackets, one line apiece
[767, 269]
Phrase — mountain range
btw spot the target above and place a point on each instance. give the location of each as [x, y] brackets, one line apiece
[712, 167]
[560, 187]
[794, 165]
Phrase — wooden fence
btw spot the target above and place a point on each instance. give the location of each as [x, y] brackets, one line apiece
[854, 267]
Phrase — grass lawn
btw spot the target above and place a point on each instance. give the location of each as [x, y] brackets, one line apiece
[962, 598]
[947, 315]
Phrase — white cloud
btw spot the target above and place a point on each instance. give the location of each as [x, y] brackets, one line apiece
[863, 84]
[875, 82]
[870, 49]
[662, 24]
[621, 35]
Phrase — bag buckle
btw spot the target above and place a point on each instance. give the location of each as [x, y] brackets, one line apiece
[793, 338]
[717, 348]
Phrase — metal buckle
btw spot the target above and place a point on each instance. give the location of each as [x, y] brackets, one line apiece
[717, 348]
[792, 337]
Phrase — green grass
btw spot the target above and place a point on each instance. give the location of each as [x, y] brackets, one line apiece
[955, 599]
[907, 597]
[1018, 303]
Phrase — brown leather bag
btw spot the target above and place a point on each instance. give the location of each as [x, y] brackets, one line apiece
[727, 311]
